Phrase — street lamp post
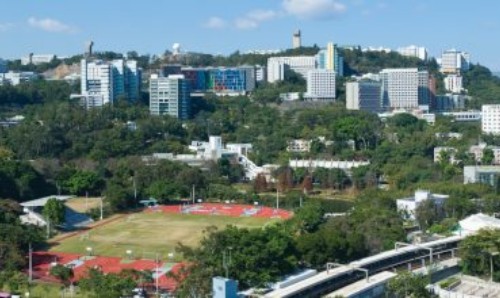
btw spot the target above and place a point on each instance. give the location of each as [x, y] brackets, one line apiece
[157, 275]
[102, 198]
[89, 251]
[491, 263]
[226, 260]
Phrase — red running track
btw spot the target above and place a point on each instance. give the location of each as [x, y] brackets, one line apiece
[42, 262]
[233, 210]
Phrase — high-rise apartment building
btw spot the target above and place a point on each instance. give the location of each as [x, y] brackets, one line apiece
[453, 61]
[169, 96]
[110, 80]
[97, 81]
[320, 85]
[490, 121]
[404, 88]
[413, 51]
[277, 66]
[453, 83]
[330, 59]
[364, 95]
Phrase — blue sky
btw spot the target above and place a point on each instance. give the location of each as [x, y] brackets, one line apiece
[223, 26]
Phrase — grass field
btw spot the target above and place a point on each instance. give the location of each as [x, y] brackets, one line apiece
[149, 233]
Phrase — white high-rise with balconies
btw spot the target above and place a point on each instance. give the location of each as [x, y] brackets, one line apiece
[320, 85]
[490, 121]
[97, 81]
[276, 66]
[404, 88]
[110, 80]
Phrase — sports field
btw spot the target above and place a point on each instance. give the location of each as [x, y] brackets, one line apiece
[148, 233]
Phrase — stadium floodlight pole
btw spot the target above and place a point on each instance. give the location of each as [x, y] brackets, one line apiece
[86, 200]
[157, 274]
[277, 199]
[193, 194]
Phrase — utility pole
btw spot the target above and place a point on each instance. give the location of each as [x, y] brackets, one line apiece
[30, 279]
[86, 201]
[135, 191]
[48, 228]
[101, 207]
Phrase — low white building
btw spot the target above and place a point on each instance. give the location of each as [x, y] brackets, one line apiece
[290, 96]
[15, 78]
[408, 206]
[299, 145]
[413, 51]
[37, 59]
[345, 165]
[451, 151]
[449, 135]
[453, 83]
[478, 152]
[464, 116]
[482, 174]
[476, 222]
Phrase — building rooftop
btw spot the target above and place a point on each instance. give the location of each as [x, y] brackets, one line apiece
[363, 285]
[42, 201]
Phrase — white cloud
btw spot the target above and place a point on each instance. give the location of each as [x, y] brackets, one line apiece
[314, 9]
[253, 19]
[262, 15]
[245, 23]
[215, 23]
[50, 25]
[5, 26]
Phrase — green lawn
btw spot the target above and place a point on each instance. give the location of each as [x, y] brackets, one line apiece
[149, 233]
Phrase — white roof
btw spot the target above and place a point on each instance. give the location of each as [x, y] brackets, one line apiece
[363, 285]
[42, 201]
[477, 222]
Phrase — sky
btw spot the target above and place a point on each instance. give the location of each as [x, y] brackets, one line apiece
[62, 27]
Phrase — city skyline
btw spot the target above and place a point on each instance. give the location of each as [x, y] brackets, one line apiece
[225, 26]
